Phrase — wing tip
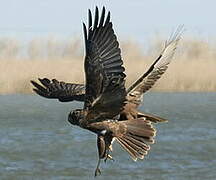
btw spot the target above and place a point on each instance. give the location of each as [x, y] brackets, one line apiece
[108, 18]
[176, 35]
[90, 18]
[96, 17]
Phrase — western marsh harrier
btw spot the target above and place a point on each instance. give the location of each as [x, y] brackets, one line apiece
[110, 110]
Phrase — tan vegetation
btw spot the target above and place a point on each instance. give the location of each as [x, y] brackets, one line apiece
[193, 68]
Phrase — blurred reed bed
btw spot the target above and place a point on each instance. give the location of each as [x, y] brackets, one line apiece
[193, 68]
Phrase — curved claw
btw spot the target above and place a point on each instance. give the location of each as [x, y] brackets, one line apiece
[97, 172]
[108, 156]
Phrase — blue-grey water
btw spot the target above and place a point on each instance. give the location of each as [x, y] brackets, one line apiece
[37, 142]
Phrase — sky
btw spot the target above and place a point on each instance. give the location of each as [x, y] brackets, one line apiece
[133, 19]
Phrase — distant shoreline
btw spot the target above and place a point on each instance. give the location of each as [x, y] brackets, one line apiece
[181, 76]
[192, 69]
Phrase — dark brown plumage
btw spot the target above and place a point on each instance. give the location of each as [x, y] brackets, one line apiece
[109, 109]
[62, 91]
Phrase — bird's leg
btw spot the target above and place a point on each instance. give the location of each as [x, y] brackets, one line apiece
[101, 152]
[97, 170]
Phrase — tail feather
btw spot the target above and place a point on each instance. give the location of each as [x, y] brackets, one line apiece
[139, 134]
[140, 151]
[143, 131]
[143, 139]
[128, 148]
[151, 117]
[142, 145]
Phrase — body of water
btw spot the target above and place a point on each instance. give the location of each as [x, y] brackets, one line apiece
[37, 142]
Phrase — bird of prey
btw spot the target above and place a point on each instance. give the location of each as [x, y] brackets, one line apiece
[110, 110]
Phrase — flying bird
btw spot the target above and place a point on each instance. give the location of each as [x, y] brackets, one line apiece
[110, 110]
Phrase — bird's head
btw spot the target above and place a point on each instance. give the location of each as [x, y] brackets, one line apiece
[75, 116]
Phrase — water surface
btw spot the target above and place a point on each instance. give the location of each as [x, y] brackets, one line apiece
[37, 142]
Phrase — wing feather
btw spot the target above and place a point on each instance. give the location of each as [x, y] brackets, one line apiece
[62, 91]
[105, 84]
[156, 70]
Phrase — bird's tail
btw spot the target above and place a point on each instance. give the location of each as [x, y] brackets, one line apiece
[139, 134]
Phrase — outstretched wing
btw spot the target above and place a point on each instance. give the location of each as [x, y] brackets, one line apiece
[148, 79]
[62, 91]
[105, 84]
